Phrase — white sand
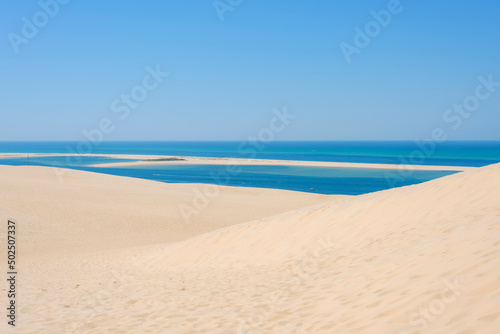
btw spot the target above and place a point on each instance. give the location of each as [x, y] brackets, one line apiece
[266, 162]
[97, 257]
[92, 211]
[143, 161]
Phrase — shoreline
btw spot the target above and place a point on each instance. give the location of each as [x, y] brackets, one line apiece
[234, 162]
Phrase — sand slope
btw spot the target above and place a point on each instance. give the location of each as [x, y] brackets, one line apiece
[79, 211]
[418, 259]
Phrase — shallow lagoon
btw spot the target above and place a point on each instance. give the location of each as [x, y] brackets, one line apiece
[321, 180]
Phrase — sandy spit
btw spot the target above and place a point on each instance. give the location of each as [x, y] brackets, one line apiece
[148, 160]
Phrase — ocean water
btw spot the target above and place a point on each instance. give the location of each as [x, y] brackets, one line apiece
[60, 161]
[472, 153]
[349, 181]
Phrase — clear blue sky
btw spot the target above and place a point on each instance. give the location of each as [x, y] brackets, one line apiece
[227, 76]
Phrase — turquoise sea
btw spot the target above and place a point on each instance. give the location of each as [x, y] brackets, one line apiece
[351, 181]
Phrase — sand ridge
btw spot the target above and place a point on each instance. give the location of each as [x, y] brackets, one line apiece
[155, 160]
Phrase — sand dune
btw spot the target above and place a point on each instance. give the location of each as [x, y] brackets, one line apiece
[418, 259]
[91, 212]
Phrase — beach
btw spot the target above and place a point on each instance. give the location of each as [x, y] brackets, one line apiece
[108, 254]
